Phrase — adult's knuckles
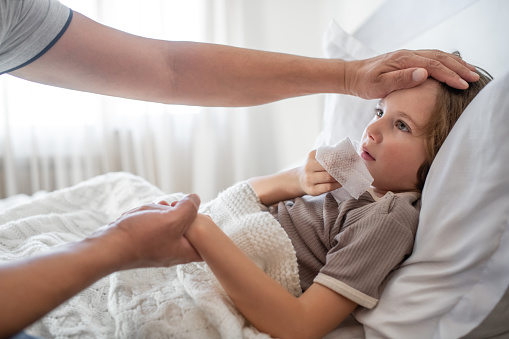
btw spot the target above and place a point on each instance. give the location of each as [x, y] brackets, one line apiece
[439, 55]
[400, 54]
[434, 64]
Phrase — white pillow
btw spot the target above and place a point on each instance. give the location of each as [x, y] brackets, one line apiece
[458, 271]
[344, 115]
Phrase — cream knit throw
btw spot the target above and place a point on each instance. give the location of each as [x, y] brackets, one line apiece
[178, 302]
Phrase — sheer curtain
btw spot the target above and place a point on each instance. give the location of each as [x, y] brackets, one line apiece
[52, 138]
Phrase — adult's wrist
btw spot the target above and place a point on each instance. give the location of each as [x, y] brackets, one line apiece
[110, 248]
[349, 72]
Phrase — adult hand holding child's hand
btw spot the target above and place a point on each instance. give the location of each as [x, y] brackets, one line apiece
[152, 235]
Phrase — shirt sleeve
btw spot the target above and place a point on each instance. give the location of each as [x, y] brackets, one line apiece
[366, 252]
[28, 29]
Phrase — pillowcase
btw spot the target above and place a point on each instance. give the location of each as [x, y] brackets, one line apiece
[344, 115]
[458, 270]
[457, 273]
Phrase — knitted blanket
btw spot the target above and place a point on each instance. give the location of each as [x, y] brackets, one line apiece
[185, 301]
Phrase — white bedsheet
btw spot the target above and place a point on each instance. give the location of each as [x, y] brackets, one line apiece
[183, 302]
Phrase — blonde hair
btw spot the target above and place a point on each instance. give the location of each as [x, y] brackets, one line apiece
[449, 106]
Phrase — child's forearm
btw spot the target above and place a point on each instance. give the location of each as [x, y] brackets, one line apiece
[277, 187]
[265, 303]
[258, 297]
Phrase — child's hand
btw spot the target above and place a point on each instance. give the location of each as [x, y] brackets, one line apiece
[313, 178]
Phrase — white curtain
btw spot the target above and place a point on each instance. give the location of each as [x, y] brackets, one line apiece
[52, 138]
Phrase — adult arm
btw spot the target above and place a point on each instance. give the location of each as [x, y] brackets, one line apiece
[148, 236]
[265, 303]
[95, 58]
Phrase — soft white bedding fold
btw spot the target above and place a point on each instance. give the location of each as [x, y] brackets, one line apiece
[184, 301]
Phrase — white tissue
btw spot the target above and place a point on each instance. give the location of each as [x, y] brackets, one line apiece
[345, 165]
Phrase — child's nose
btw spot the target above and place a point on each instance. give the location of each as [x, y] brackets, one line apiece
[374, 131]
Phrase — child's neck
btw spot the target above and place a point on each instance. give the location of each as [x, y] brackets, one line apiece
[380, 192]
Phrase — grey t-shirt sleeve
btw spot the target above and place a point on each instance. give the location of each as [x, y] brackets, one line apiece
[28, 29]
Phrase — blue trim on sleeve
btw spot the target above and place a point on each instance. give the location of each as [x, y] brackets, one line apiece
[62, 31]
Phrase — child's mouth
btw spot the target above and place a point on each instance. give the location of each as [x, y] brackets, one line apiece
[366, 156]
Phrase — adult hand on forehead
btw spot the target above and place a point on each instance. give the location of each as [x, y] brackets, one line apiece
[376, 77]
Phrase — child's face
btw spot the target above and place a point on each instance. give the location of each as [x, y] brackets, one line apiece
[392, 145]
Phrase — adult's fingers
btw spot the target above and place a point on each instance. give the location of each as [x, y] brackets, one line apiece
[452, 61]
[444, 67]
[187, 252]
[185, 211]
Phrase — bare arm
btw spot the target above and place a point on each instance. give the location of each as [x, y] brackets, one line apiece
[31, 288]
[95, 58]
[311, 178]
[267, 305]
[148, 236]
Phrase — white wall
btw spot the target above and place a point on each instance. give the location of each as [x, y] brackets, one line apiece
[480, 32]
[297, 27]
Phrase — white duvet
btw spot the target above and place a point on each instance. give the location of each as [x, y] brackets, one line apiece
[185, 301]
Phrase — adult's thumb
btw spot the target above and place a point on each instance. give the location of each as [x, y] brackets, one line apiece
[185, 211]
[419, 75]
[193, 198]
[404, 78]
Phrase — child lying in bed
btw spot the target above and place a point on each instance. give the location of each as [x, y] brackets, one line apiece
[339, 253]
[346, 249]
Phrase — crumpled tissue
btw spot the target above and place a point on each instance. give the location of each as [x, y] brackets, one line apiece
[345, 165]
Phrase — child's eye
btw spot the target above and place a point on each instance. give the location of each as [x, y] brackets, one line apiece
[402, 126]
[379, 113]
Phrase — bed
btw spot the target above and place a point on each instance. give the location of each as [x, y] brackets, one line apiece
[184, 301]
[455, 284]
